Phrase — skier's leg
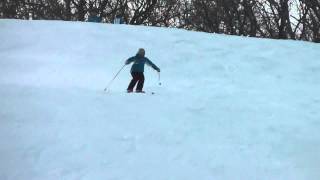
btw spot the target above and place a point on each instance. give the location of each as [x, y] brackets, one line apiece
[133, 82]
[140, 82]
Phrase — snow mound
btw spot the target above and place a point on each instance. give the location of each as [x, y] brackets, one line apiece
[228, 107]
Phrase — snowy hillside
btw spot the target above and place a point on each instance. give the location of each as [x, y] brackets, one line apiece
[229, 108]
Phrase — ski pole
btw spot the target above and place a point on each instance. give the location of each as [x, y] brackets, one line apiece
[159, 79]
[108, 86]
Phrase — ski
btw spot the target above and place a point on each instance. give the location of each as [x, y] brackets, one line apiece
[152, 93]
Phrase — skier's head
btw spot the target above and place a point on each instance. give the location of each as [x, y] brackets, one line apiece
[141, 52]
[94, 12]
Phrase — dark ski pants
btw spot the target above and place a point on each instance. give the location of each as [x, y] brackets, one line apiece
[137, 77]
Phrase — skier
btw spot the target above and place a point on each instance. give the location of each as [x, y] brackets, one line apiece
[118, 19]
[94, 17]
[137, 70]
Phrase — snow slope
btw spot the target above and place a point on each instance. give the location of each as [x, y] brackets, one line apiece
[229, 108]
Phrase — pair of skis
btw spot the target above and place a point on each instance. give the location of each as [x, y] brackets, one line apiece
[143, 92]
[107, 89]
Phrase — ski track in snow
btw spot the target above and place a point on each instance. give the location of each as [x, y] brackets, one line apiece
[228, 108]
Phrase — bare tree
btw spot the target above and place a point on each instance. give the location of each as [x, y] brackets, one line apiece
[313, 19]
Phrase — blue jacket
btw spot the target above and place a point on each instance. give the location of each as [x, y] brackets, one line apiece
[139, 62]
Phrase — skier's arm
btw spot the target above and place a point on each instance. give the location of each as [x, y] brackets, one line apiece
[150, 63]
[130, 60]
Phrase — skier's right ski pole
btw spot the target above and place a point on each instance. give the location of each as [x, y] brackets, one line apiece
[108, 86]
[159, 79]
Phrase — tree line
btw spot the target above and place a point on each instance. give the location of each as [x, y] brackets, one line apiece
[276, 19]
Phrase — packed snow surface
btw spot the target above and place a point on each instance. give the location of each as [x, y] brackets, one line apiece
[229, 108]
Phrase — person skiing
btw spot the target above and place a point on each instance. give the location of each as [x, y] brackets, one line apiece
[94, 16]
[137, 70]
[118, 19]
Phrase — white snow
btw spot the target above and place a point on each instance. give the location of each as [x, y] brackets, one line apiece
[229, 108]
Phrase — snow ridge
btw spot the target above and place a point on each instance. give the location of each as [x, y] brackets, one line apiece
[228, 108]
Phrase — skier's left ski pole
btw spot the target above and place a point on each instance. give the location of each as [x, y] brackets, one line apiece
[108, 86]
